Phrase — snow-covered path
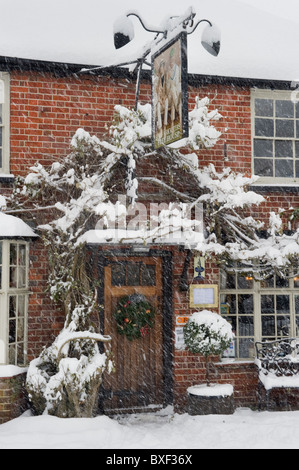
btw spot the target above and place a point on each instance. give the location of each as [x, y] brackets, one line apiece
[244, 429]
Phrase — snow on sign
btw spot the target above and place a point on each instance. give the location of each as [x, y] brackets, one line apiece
[169, 92]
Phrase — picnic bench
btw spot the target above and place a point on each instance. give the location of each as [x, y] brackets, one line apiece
[278, 367]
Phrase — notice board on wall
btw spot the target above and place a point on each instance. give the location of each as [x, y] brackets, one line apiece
[204, 296]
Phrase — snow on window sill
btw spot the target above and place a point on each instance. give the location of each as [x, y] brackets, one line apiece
[8, 371]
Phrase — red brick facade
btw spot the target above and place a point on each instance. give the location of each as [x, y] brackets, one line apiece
[12, 397]
[46, 110]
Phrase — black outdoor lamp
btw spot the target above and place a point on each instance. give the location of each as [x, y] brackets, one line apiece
[124, 33]
[124, 30]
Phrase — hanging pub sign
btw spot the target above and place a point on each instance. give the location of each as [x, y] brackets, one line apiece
[170, 92]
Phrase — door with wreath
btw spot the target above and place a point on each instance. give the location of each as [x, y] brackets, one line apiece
[133, 318]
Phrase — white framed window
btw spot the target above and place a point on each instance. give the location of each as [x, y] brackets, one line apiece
[14, 263]
[259, 310]
[275, 136]
[4, 123]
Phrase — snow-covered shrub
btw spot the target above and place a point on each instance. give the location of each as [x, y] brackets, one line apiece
[64, 380]
[208, 334]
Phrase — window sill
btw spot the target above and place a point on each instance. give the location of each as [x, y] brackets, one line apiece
[234, 361]
[8, 371]
[278, 187]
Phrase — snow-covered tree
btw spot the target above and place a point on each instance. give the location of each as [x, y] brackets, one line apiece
[76, 193]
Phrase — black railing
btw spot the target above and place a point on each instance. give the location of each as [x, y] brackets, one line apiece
[280, 357]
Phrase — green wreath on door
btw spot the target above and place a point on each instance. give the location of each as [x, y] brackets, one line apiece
[134, 316]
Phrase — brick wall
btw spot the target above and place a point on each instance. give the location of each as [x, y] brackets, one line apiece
[12, 397]
[46, 111]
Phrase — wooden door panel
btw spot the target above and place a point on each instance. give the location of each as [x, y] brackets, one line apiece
[138, 379]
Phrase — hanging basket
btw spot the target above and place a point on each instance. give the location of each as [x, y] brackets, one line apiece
[134, 316]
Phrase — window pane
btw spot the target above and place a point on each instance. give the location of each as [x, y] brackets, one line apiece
[12, 354]
[148, 275]
[20, 334]
[133, 274]
[284, 128]
[246, 326]
[20, 354]
[12, 306]
[246, 348]
[284, 109]
[281, 282]
[245, 282]
[268, 326]
[228, 304]
[21, 305]
[12, 331]
[22, 255]
[283, 325]
[13, 254]
[297, 129]
[245, 303]
[263, 167]
[1, 114]
[267, 283]
[1, 136]
[283, 304]
[227, 280]
[233, 323]
[118, 274]
[267, 304]
[264, 127]
[13, 274]
[263, 107]
[263, 148]
[21, 277]
[284, 148]
[284, 168]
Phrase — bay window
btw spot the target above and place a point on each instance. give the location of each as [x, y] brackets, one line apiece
[13, 301]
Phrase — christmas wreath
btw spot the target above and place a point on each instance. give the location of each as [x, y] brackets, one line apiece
[134, 316]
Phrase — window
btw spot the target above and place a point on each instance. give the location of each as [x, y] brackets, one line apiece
[13, 301]
[275, 135]
[126, 273]
[4, 123]
[258, 311]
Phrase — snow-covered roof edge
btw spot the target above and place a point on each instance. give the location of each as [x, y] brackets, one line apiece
[66, 69]
[12, 227]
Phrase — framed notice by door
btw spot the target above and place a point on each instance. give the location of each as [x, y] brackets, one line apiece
[204, 296]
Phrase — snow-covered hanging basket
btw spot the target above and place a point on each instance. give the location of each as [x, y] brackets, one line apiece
[134, 316]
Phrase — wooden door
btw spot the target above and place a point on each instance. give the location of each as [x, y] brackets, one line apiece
[138, 379]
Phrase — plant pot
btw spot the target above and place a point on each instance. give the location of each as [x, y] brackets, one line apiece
[213, 399]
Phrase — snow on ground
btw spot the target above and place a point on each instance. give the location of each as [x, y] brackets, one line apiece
[245, 429]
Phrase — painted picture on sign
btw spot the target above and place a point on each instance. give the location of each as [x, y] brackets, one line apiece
[169, 92]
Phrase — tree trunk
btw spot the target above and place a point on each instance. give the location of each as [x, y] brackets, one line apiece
[207, 371]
